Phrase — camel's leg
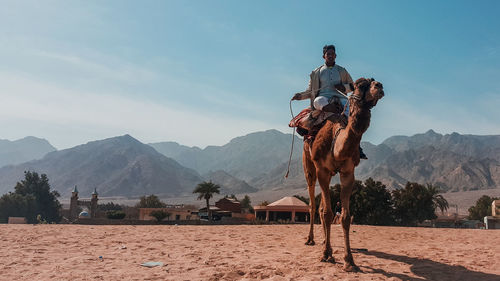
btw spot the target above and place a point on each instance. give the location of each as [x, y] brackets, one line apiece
[324, 177]
[322, 219]
[347, 183]
[310, 173]
[312, 212]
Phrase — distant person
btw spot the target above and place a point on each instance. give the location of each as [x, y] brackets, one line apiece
[328, 83]
[337, 212]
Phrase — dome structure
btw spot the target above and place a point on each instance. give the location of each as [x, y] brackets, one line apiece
[84, 214]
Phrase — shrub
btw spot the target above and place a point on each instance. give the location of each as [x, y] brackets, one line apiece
[115, 215]
[151, 201]
[159, 215]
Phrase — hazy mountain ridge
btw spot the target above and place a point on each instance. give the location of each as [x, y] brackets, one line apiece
[246, 157]
[23, 150]
[228, 183]
[468, 145]
[119, 166]
[123, 166]
[453, 161]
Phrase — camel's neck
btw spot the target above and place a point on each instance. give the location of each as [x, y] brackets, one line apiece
[359, 121]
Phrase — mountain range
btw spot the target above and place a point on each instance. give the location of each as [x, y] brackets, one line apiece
[123, 166]
[454, 162]
[23, 150]
[248, 157]
[116, 166]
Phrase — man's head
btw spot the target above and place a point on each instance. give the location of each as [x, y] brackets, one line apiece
[329, 55]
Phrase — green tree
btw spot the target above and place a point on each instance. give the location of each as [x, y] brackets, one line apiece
[110, 206]
[247, 204]
[159, 215]
[16, 205]
[151, 201]
[416, 203]
[115, 214]
[31, 197]
[437, 199]
[206, 191]
[371, 203]
[482, 208]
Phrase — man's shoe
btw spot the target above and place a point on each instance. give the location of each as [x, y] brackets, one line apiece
[362, 155]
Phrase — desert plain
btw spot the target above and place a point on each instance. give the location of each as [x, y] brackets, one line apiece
[243, 252]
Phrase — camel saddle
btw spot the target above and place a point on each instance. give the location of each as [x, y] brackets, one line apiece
[308, 122]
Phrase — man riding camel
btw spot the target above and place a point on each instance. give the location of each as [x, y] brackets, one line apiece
[328, 84]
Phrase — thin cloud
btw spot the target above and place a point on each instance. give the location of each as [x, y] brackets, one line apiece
[103, 115]
[168, 83]
[114, 69]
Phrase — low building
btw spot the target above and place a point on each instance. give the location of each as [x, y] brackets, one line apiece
[286, 209]
[493, 221]
[229, 204]
[176, 212]
[495, 208]
[452, 220]
[217, 213]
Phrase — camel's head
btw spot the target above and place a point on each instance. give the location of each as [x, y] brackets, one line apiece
[368, 91]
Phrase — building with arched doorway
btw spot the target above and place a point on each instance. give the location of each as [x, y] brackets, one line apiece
[75, 202]
[286, 209]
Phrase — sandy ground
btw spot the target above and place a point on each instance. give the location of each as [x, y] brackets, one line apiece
[243, 252]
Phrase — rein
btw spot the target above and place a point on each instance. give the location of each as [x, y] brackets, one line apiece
[293, 141]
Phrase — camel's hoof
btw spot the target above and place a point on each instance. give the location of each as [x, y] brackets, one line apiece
[329, 259]
[310, 243]
[350, 268]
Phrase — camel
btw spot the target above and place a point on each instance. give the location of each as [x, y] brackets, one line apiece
[321, 164]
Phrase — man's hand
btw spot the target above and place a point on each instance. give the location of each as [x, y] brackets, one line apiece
[340, 87]
[297, 96]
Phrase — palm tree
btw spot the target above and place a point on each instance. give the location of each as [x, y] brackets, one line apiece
[206, 191]
[437, 199]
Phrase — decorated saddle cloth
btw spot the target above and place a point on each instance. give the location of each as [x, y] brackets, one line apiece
[309, 119]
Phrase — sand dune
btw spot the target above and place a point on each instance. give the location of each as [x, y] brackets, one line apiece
[245, 252]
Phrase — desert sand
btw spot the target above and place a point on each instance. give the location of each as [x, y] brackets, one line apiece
[243, 252]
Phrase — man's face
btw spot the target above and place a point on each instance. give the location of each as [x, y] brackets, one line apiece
[329, 57]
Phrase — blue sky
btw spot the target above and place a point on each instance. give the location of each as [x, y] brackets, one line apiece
[203, 72]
